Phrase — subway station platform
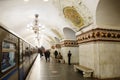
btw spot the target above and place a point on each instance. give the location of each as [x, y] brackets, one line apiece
[52, 70]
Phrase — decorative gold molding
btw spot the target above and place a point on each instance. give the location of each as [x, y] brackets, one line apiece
[69, 43]
[72, 14]
[52, 47]
[99, 34]
[58, 45]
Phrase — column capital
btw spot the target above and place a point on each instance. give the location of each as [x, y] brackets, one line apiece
[69, 43]
[99, 34]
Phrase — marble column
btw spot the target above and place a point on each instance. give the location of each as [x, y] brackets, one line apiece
[54, 47]
[71, 45]
[99, 49]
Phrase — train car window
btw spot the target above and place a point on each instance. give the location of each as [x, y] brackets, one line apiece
[8, 56]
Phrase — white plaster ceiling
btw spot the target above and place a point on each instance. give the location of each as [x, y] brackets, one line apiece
[16, 14]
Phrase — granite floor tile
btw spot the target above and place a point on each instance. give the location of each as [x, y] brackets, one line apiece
[43, 70]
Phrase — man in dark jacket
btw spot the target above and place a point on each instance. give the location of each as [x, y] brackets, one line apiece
[46, 55]
[55, 53]
[69, 57]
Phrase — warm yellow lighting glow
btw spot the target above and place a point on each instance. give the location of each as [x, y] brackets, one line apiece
[26, 0]
[45, 0]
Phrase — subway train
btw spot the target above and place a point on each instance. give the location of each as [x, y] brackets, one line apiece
[16, 56]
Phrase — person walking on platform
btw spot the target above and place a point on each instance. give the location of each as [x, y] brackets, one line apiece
[55, 53]
[40, 52]
[69, 57]
[46, 55]
[48, 52]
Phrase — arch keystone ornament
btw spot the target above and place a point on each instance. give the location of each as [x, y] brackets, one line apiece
[71, 14]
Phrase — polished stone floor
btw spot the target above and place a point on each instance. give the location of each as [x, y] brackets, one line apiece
[52, 70]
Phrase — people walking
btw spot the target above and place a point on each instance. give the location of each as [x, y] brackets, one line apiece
[55, 53]
[48, 52]
[40, 52]
[47, 55]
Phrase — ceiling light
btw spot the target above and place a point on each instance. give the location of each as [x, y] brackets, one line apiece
[45, 0]
[26, 0]
[35, 26]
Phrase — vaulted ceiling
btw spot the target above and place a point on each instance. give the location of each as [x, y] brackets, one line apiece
[17, 14]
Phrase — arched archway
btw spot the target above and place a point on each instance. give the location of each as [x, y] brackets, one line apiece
[69, 33]
[108, 13]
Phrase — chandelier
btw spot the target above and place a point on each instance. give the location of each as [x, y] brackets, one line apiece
[35, 25]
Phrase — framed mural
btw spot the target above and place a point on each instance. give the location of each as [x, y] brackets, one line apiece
[72, 14]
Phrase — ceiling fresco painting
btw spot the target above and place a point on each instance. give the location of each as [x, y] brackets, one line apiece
[71, 14]
[54, 15]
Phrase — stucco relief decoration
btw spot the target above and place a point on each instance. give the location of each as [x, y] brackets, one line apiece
[72, 14]
[99, 35]
[58, 45]
[53, 47]
[69, 43]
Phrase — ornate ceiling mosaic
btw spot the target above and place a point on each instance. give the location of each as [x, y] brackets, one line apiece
[72, 14]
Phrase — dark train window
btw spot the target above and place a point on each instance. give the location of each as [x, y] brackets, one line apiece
[8, 56]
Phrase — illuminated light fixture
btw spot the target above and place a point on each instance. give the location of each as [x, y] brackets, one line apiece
[45, 0]
[35, 26]
[26, 0]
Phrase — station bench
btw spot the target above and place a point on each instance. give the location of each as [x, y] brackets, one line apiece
[87, 72]
[60, 61]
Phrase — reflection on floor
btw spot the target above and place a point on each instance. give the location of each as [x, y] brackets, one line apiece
[43, 70]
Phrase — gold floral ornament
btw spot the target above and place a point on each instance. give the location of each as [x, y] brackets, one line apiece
[71, 14]
[58, 46]
[53, 47]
